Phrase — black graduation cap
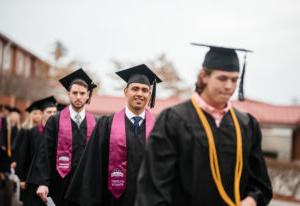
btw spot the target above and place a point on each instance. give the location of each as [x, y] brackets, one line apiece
[7, 107]
[14, 109]
[47, 102]
[225, 59]
[33, 106]
[78, 74]
[42, 104]
[143, 75]
[60, 106]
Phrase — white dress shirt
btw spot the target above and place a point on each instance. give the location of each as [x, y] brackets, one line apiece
[73, 114]
[130, 115]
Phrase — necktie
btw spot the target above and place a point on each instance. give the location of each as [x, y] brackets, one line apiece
[136, 124]
[78, 119]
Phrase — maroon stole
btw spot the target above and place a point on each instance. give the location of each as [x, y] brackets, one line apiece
[64, 142]
[41, 128]
[117, 165]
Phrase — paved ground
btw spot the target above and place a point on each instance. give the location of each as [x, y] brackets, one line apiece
[282, 203]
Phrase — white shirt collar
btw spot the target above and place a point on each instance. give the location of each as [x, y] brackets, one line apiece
[73, 113]
[130, 114]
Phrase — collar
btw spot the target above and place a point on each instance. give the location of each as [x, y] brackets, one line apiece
[217, 114]
[73, 113]
[130, 114]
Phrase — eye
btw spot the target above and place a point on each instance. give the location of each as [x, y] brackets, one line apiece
[135, 88]
[234, 80]
[145, 90]
[222, 78]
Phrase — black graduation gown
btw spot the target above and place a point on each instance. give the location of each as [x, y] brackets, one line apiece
[44, 172]
[176, 168]
[14, 133]
[20, 153]
[25, 150]
[5, 160]
[89, 186]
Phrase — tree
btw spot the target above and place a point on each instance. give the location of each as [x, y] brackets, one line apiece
[25, 88]
[172, 84]
[58, 52]
[63, 68]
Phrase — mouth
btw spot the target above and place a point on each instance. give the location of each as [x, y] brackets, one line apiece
[78, 103]
[138, 101]
[225, 94]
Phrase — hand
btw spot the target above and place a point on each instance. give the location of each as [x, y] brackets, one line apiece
[248, 201]
[42, 192]
[13, 165]
[23, 185]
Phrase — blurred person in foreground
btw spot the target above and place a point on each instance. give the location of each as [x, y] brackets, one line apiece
[203, 151]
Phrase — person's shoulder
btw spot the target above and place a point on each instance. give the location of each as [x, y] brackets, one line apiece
[103, 120]
[54, 117]
[245, 117]
[181, 110]
[33, 129]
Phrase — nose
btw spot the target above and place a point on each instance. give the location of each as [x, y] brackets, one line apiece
[139, 92]
[228, 84]
[77, 95]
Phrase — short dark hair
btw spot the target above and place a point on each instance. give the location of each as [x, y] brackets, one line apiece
[79, 82]
[199, 85]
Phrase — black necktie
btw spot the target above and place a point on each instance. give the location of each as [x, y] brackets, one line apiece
[136, 125]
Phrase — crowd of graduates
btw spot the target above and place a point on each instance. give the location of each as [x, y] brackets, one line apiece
[201, 152]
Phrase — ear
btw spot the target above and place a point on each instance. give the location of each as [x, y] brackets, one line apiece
[125, 91]
[204, 76]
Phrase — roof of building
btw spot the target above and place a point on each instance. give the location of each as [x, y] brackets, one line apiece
[265, 113]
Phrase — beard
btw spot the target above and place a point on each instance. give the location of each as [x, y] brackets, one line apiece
[77, 105]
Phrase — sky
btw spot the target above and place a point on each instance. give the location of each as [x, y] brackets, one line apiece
[97, 31]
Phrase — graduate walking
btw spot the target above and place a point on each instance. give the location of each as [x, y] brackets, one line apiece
[66, 135]
[108, 171]
[204, 152]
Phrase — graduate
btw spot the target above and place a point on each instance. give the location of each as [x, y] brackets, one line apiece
[9, 127]
[33, 119]
[28, 147]
[108, 170]
[66, 135]
[14, 124]
[203, 151]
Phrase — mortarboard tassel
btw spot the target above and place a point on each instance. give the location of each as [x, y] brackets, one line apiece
[241, 87]
[152, 100]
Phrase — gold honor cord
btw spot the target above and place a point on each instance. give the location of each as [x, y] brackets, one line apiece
[213, 158]
[8, 142]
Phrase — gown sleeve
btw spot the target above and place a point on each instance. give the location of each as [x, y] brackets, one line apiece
[21, 155]
[259, 186]
[39, 173]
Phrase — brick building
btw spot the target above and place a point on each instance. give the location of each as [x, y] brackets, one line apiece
[18, 64]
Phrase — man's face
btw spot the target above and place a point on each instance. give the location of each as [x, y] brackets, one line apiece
[220, 86]
[36, 116]
[48, 112]
[15, 118]
[137, 96]
[78, 96]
